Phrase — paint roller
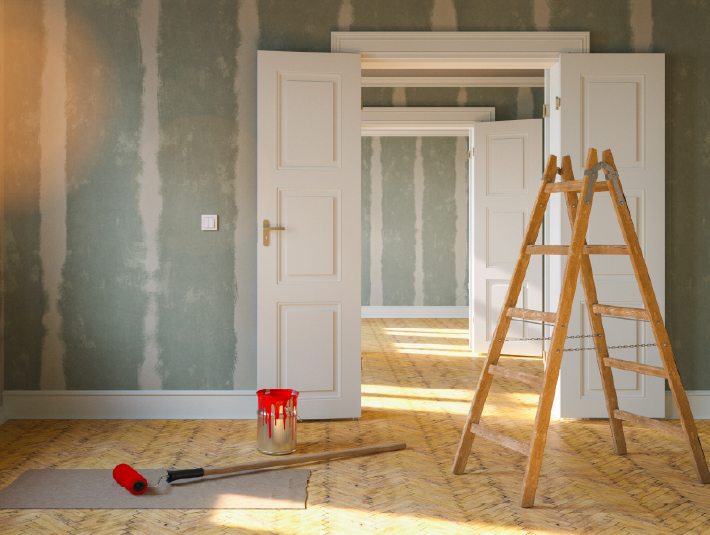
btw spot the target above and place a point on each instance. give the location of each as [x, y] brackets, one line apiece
[128, 478]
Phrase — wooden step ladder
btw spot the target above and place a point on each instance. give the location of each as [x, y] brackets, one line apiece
[578, 260]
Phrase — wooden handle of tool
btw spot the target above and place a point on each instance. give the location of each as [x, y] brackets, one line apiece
[298, 459]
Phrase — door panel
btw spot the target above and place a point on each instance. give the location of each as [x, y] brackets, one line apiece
[309, 120]
[312, 251]
[308, 181]
[507, 169]
[312, 362]
[617, 102]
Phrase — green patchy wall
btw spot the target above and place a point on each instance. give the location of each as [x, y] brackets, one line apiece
[25, 299]
[366, 186]
[391, 15]
[495, 15]
[504, 99]
[102, 301]
[439, 221]
[103, 291]
[398, 220]
[608, 21]
[424, 257]
[197, 109]
[297, 26]
[681, 31]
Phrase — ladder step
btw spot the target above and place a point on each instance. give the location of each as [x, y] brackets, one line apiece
[532, 380]
[606, 249]
[621, 312]
[648, 422]
[636, 367]
[588, 249]
[500, 438]
[573, 185]
[537, 315]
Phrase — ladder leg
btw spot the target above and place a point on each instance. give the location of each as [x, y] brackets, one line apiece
[542, 423]
[474, 413]
[590, 297]
[610, 397]
[557, 344]
[659, 330]
[511, 298]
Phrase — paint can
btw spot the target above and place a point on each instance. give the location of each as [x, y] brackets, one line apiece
[276, 421]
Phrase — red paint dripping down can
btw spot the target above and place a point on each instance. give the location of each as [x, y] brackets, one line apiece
[276, 421]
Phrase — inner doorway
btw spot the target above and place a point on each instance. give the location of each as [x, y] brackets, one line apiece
[429, 227]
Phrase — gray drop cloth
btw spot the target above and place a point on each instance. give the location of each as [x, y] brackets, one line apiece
[96, 489]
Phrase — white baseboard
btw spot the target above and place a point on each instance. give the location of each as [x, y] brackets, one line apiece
[415, 312]
[184, 404]
[4, 414]
[699, 404]
[130, 404]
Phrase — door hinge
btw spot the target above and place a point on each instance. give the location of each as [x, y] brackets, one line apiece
[470, 154]
[545, 110]
[557, 103]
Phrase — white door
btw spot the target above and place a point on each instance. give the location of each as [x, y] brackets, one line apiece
[617, 102]
[507, 169]
[308, 283]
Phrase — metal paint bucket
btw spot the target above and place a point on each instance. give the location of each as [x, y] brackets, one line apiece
[277, 416]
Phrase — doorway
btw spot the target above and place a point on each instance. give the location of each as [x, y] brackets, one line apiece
[415, 188]
[445, 50]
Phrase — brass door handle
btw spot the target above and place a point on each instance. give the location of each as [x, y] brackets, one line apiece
[267, 228]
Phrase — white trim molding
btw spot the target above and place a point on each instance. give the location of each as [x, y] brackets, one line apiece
[423, 121]
[453, 81]
[212, 404]
[130, 404]
[4, 414]
[415, 312]
[459, 50]
[699, 404]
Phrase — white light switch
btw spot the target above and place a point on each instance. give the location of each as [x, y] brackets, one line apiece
[209, 222]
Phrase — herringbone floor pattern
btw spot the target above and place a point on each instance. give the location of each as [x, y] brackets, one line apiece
[418, 380]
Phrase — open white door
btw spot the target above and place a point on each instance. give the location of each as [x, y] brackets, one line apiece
[507, 168]
[617, 102]
[308, 307]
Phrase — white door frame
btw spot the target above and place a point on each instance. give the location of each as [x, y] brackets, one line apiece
[465, 50]
[459, 50]
[415, 122]
[469, 50]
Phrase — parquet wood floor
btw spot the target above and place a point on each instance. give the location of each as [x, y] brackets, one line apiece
[418, 380]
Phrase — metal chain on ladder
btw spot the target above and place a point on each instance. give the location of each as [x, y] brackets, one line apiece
[609, 347]
[571, 337]
[549, 338]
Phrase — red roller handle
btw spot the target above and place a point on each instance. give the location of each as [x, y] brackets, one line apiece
[127, 477]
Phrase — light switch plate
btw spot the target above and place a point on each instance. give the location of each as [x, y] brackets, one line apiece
[210, 222]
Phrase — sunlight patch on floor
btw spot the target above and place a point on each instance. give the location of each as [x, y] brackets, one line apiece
[422, 345]
[442, 400]
[427, 393]
[443, 336]
[361, 521]
[423, 330]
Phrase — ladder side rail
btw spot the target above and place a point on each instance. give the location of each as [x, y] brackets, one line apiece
[595, 322]
[657, 326]
[501, 330]
[557, 345]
